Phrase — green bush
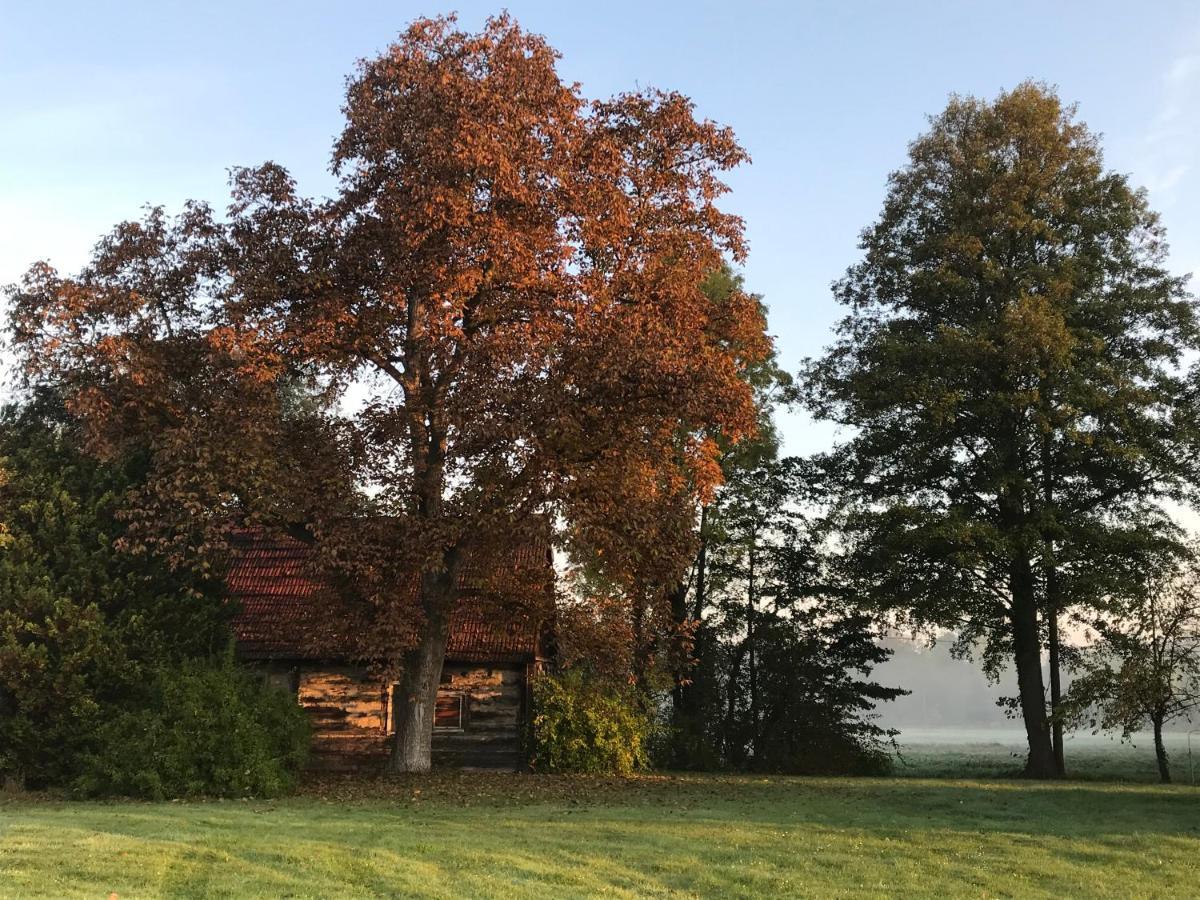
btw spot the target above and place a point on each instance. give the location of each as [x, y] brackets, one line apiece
[83, 624]
[589, 725]
[200, 730]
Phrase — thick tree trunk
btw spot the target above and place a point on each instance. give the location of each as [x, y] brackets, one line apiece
[1160, 752]
[416, 695]
[1028, 657]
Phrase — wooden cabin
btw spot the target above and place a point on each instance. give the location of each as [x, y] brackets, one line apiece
[484, 700]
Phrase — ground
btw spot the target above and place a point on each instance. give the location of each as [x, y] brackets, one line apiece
[667, 835]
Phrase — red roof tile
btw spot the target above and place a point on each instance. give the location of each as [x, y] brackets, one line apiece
[288, 609]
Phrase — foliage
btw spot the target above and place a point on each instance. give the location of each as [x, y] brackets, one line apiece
[695, 739]
[817, 708]
[1143, 668]
[81, 622]
[784, 681]
[589, 725]
[107, 683]
[692, 643]
[53, 656]
[199, 729]
[512, 272]
[1010, 370]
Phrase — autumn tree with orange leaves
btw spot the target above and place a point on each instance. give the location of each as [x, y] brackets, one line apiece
[509, 277]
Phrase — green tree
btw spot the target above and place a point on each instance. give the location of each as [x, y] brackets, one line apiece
[694, 697]
[82, 623]
[793, 656]
[1144, 666]
[1010, 372]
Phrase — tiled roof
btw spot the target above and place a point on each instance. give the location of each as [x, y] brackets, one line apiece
[288, 609]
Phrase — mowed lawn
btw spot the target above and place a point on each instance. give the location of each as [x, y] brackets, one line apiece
[543, 836]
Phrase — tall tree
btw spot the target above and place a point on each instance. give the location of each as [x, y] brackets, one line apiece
[694, 643]
[793, 656]
[513, 273]
[1011, 368]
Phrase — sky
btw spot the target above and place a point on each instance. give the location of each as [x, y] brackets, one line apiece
[106, 107]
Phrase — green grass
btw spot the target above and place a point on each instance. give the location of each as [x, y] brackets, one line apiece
[504, 836]
[983, 753]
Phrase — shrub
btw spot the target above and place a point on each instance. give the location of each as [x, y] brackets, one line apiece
[200, 730]
[82, 623]
[826, 751]
[589, 725]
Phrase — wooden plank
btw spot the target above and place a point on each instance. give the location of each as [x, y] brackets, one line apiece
[351, 721]
[341, 701]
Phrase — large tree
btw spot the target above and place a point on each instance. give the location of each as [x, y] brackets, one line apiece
[1010, 371]
[512, 278]
[690, 636]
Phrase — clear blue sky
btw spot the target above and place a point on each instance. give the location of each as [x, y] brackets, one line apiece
[107, 106]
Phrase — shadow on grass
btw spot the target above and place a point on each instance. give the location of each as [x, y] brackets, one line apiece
[348, 806]
[495, 835]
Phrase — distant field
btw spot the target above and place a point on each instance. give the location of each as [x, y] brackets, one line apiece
[990, 753]
[545, 836]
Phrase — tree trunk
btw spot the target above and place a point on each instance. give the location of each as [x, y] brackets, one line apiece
[416, 695]
[751, 637]
[680, 688]
[1060, 762]
[734, 753]
[641, 649]
[685, 713]
[1160, 752]
[701, 598]
[1028, 657]
[1050, 562]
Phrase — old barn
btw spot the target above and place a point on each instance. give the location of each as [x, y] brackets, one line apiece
[484, 699]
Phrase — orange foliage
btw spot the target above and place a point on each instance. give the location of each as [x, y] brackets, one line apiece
[515, 273]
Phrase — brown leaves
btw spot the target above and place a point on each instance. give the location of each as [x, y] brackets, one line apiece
[461, 789]
[510, 274]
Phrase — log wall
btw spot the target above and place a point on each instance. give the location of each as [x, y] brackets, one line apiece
[352, 722]
[493, 712]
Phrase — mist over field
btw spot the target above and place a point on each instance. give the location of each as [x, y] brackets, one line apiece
[947, 693]
[951, 700]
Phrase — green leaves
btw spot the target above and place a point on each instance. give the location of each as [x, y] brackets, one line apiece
[199, 729]
[80, 622]
[586, 724]
[1011, 365]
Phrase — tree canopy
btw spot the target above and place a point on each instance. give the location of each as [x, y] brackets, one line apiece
[511, 274]
[1012, 371]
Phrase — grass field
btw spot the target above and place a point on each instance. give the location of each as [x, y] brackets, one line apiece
[1000, 753]
[544, 836]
